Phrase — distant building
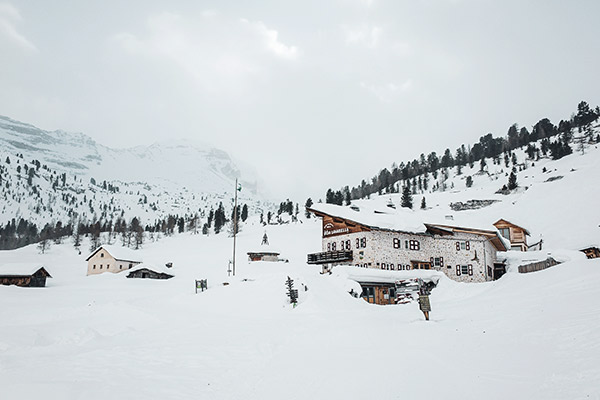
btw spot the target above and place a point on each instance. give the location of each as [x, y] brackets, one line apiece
[537, 265]
[463, 254]
[516, 234]
[592, 252]
[144, 271]
[266, 253]
[24, 276]
[111, 259]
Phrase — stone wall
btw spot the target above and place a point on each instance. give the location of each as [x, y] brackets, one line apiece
[388, 250]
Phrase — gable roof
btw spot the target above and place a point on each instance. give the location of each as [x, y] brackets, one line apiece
[15, 270]
[493, 236]
[401, 221]
[154, 268]
[119, 253]
[510, 223]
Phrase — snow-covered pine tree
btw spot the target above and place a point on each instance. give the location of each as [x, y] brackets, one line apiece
[291, 292]
[407, 199]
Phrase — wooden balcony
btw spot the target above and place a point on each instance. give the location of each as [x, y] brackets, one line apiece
[327, 257]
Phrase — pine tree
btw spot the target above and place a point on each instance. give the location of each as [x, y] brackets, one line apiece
[244, 213]
[423, 203]
[469, 181]
[407, 200]
[308, 205]
[512, 180]
[291, 292]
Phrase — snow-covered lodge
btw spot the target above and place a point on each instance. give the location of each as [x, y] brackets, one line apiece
[376, 240]
[111, 259]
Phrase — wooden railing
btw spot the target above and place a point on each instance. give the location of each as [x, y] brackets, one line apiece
[329, 257]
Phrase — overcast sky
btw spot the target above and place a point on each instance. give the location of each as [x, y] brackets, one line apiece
[313, 94]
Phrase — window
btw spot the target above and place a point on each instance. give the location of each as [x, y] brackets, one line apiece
[438, 262]
[101, 254]
[357, 243]
[406, 244]
[94, 266]
[463, 246]
[100, 266]
[348, 247]
[121, 266]
[464, 270]
[396, 243]
[333, 246]
[505, 232]
[130, 265]
[392, 267]
[414, 245]
[363, 242]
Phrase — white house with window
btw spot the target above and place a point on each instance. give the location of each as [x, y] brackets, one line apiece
[111, 259]
[373, 240]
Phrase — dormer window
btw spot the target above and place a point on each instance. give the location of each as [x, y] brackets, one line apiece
[505, 232]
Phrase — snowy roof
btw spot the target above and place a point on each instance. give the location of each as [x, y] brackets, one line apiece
[402, 220]
[21, 269]
[158, 269]
[383, 276]
[119, 253]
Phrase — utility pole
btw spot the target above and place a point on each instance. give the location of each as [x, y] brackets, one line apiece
[235, 222]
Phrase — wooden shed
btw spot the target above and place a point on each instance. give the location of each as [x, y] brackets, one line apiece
[145, 271]
[516, 234]
[591, 252]
[263, 256]
[24, 276]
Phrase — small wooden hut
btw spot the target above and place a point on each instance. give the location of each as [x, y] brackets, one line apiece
[591, 252]
[24, 276]
[145, 271]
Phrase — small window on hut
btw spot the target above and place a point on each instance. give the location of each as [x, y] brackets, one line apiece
[94, 266]
[130, 265]
[101, 254]
[120, 266]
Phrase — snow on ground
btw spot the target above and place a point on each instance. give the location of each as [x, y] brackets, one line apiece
[525, 336]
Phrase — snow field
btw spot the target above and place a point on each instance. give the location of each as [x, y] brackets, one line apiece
[525, 336]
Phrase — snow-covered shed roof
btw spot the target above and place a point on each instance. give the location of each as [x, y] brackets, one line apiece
[158, 269]
[119, 253]
[21, 270]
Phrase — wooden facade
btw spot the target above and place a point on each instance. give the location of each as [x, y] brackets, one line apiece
[538, 265]
[378, 292]
[591, 252]
[516, 234]
[35, 279]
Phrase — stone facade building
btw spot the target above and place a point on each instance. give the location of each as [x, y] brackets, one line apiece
[463, 254]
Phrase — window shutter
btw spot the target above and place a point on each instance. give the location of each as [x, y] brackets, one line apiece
[457, 246]
[470, 269]
[441, 261]
[458, 270]
[468, 245]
